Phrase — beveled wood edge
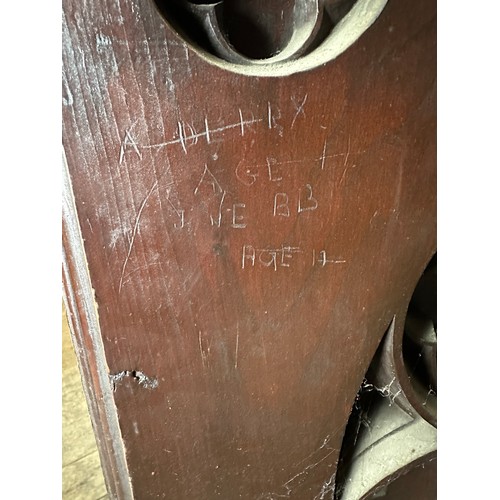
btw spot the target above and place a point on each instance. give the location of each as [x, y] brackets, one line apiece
[83, 319]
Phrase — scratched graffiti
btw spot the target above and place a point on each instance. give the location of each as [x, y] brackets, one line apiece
[276, 258]
[215, 204]
[188, 134]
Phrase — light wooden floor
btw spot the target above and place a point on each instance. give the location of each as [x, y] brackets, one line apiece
[82, 477]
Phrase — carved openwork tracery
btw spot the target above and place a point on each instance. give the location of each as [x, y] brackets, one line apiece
[393, 425]
[270, 38]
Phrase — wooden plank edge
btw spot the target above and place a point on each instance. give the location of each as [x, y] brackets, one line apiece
[83, 319]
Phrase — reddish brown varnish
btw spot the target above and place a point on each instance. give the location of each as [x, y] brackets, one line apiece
[248, 272]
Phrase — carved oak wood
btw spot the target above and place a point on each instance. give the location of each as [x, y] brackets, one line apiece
[236, 245]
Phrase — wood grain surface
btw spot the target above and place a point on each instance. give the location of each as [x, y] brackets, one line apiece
[248, 242]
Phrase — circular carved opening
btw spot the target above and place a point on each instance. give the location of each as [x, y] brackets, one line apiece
[420, 338]
[262, 38]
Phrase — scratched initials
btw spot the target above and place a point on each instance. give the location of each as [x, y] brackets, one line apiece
[272, 177]
[248, 254]
[238, 218]
[180, 225]
[210, 179]
[281, 206]
[245, 174]
[128, 143]
[310, 203]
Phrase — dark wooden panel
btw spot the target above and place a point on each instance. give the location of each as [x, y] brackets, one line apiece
[248, 240]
